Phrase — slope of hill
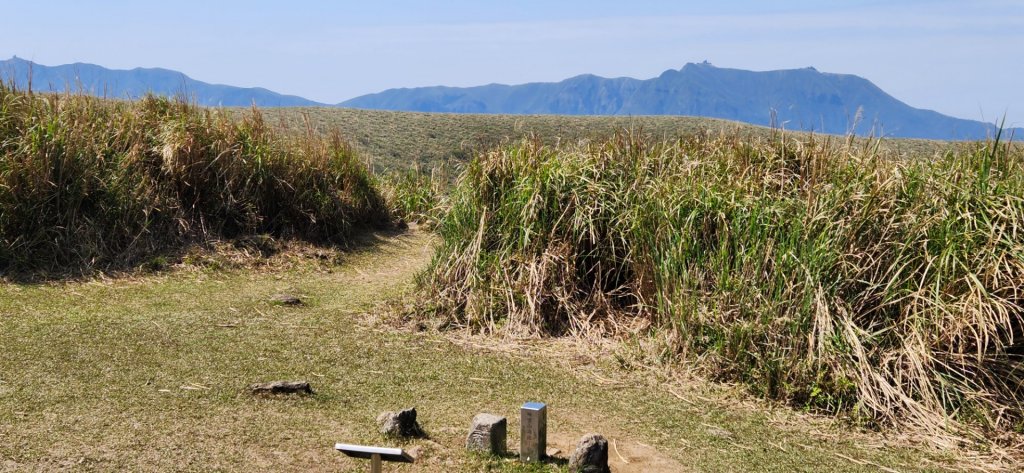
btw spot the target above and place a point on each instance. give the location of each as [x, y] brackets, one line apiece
[800, 99]
[399, 140]
[135, 83]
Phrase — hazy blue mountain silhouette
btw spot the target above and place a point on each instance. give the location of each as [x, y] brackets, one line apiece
[800, 99]
[135, 83]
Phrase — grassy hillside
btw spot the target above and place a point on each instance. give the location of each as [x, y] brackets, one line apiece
[877, 280]
[841, 278]
[399, 140]
[86, 182]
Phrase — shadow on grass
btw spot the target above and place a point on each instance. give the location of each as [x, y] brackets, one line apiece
[205, 253]
[509, 461]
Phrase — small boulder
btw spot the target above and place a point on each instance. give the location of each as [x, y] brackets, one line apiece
[286, 299]
[591, 455]
[488, 434]
[400, 424]
[282, 387]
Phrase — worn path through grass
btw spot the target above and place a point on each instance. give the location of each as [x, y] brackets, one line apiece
[150, 374]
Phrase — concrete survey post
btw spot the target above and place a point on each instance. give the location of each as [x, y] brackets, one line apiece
[533, 438]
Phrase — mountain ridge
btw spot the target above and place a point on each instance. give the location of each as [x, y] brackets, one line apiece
[801, 99]
[137, 82]
[797, 99]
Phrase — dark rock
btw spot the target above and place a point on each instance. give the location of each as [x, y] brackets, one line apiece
[400, 424]
[488, 434]
[265, 245]
[282, 387]
[286, 299]
[591, 455]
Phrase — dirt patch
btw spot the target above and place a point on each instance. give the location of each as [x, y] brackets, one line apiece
[624, 455]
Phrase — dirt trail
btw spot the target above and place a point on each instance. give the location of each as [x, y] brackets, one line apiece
[150, 374]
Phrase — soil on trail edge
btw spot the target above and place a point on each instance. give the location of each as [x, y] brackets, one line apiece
[624, 455]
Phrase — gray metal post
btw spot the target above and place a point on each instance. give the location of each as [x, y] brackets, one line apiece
[533, 438]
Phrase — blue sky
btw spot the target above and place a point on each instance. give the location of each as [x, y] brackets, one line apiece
[962, 58]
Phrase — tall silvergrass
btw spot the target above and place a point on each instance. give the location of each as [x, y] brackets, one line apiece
[415, 195]
[814, 271]
[91, 183]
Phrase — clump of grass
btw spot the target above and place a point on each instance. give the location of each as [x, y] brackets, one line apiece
[92, 183]
[826, 274]
[415, 195]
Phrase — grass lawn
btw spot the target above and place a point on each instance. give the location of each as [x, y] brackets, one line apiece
[149, 373]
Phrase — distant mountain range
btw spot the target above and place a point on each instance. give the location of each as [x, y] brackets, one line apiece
[135, 83]
[798, 99]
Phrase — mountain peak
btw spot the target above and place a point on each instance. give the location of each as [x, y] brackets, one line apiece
[137, 82]
[691, 66]
[802, 99]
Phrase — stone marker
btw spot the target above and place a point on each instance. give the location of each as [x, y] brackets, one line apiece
[591, 455]
[286, 299]
[282, 387]
[400, 424]
[488, 434]
[533, 431]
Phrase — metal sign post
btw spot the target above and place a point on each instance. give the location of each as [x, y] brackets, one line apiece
[376, 455]
[533, 438]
